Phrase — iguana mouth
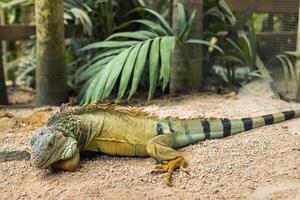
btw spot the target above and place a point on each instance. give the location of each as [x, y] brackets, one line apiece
[44, 164]
[35, 161]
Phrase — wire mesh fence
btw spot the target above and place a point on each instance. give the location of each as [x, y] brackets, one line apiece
[276, 28]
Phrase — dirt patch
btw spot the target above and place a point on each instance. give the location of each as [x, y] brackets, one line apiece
[263, 161]
[20, 95]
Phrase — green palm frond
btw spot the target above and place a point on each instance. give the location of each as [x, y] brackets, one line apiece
[77, 11]
[123, 57]
[289, 69]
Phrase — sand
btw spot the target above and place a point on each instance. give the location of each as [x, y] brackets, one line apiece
[263, 163]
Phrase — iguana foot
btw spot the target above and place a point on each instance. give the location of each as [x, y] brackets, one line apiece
[170, 167]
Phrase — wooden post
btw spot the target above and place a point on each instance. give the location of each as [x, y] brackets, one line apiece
[187, 70]
[4, 45]
[51, 75]
[3, 92]
[298, 59]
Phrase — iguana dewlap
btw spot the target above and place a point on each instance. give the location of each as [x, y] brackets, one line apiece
[122, 131]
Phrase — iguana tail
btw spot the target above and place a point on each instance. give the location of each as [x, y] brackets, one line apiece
[191, 131]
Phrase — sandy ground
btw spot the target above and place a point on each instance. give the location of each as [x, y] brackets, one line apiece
[260, 164]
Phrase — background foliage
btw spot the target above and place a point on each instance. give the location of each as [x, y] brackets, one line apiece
[122, 53]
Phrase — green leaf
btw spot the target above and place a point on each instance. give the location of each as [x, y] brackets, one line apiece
[102, 55]
[181, 19]
[285, 67]
[139, 67]
[106, 54]
[150, 24]
[246, 48]
[116, 66]
[203, 42]
[82, 93]
[253, 45]
[161, 19]
[137, 35]
[153, 66]
[83, 18]
[94, 68]
[235, 45]
[185, 35]
[88, 97]
[292, 53]
[103, 76]
[166, 48]
[127, 70]
[108, 44]
[291, 67]
[141, 2]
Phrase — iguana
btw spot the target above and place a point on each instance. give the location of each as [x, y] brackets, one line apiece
[125, 131]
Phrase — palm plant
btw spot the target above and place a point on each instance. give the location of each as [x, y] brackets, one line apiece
[124, 56]
[240, 49]
[243, 51]
[290, 72]
[76, 12]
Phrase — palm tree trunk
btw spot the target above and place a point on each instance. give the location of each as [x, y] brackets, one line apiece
[187, 71]
[3, 92]
[51, 71]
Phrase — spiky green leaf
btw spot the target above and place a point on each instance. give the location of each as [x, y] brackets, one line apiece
[235, 45]
[139, 66]
[94, 69]
[203, 42]
[166, 48]
[109, 44]
[161, 19]
[116, 66]
[137, 35]
[186, 32]
[286, 74]
[127, 71]
[153, 66]
[150, 24]
[181, 19]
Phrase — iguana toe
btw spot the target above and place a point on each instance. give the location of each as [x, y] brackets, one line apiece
[170, 167]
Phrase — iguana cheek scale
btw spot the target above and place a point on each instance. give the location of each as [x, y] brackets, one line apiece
[123, 131]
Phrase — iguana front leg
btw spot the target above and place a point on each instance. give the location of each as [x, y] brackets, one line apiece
[70, 164]
[160, 148]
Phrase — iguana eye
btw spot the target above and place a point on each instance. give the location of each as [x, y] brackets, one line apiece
[51, 144]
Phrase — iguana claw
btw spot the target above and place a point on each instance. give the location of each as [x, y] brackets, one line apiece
[170, 167]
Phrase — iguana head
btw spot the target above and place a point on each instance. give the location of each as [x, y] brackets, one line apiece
[49, 145]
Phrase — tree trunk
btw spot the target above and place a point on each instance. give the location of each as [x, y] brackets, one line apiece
[187, 71]
[3, 93]
[51, 75]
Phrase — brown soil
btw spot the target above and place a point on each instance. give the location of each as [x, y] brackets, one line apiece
[260, 164]
[20, 95]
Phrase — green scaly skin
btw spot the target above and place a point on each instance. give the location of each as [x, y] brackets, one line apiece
[121, 131]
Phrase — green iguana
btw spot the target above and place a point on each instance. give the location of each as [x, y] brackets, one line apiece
[123, 131]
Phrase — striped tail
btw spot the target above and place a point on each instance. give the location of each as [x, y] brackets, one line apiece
[191, 131]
